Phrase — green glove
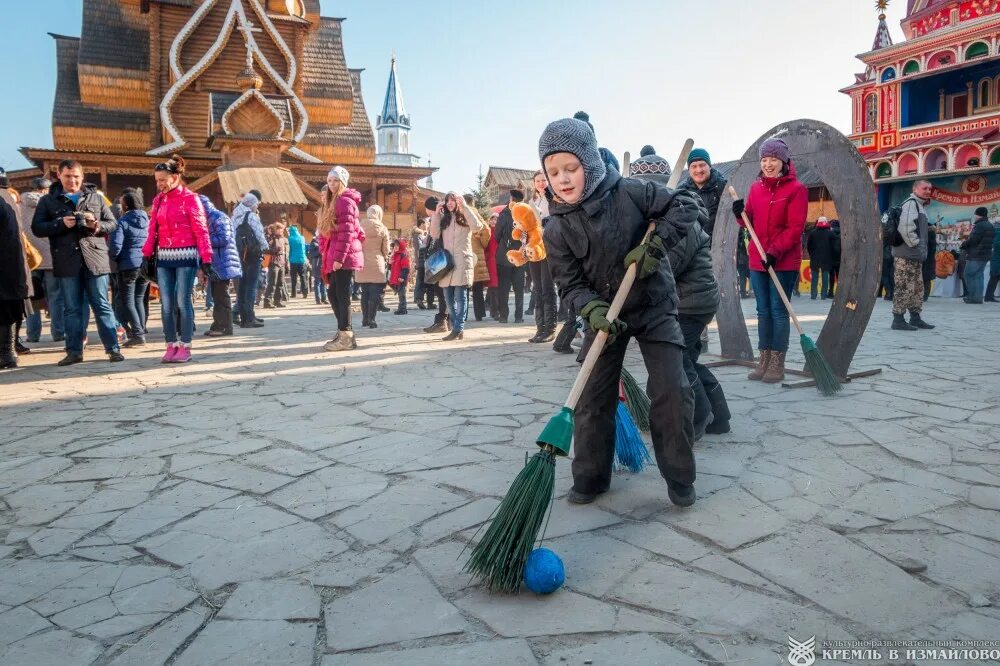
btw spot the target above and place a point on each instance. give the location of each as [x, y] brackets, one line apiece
[648, 255]
[595, 313]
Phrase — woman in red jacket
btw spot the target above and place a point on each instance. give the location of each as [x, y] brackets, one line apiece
[340, 246]
[776, 205]
[178, 234]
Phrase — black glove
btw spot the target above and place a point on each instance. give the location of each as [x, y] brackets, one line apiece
[769, 261]
[738, 208]
[206, 268]
[648, 255]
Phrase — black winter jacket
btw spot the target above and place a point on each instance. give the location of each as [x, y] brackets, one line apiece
[710, 194]
[691, 262]
[979, 244]
[587, 243]
[504, 231]
[72, 248]
[13, 270]
[821, 248]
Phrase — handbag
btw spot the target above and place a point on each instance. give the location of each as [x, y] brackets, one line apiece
[438, 264]
[31, 255]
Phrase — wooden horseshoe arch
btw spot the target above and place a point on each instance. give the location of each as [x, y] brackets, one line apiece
[824, 150]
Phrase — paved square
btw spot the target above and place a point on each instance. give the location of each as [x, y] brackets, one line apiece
[273, 503]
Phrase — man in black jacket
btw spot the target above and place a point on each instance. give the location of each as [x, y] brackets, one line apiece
[76, 219]
[509, 275]
[821, 251]
[698, 300]
[979, 249]
[596, 226]
[704, 180]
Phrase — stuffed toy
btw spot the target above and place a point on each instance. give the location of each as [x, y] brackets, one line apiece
[528, 230]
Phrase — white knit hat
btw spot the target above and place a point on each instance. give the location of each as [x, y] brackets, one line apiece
[341, 174]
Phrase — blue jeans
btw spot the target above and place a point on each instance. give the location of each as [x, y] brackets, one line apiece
[54, 296]
[817, 273]
[319, 289]
[772, 317]
[974, 280]
[248, 291]
[131, 308]
[78, 292]
[176, 286]
[458, 306]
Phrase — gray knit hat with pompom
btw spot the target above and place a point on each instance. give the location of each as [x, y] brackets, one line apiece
[574, 136]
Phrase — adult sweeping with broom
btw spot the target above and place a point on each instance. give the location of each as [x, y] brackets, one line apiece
[776, 208]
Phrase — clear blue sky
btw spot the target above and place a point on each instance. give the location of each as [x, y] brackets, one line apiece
[482, 79]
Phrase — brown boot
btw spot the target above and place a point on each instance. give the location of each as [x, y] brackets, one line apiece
[758, 373]
[776, 369]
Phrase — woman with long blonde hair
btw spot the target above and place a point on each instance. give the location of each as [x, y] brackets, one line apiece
[340, 245]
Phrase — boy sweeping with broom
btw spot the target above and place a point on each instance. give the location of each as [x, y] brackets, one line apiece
[595, 230]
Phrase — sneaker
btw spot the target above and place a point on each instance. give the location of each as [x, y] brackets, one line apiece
[21, 349]
[70, 359]
[168, 356]
[137, 341]
[115, 357]
[182, 355]
[333, 345]
[681, 494]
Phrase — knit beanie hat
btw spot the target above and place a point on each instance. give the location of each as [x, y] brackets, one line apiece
[250, 201]
[774, 147]
[699, 155]
[982, 212]
[574, 136]
[647, 150]
[341, 174]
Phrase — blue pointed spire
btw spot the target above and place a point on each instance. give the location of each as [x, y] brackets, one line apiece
[393, 109]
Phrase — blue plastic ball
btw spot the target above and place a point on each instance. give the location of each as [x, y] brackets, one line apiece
[544, 572]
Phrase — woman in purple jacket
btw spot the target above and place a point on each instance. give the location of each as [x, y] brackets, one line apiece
[340, 245]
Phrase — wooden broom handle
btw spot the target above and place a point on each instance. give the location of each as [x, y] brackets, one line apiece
[770, 269]
[619, 300]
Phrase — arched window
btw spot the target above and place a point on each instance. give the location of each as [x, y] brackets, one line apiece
[907, 164]
[936, 160]
[883, 170]
[912, 67]
[977, 50]
[871, 113]
[888, 74]
[985, 99]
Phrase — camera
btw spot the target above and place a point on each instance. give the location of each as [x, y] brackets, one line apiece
[81, 219]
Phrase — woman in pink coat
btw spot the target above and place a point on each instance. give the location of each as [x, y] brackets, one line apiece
[776, 205]
[341, 249]
[178, 235]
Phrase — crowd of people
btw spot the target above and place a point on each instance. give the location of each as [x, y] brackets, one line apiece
[93, 258]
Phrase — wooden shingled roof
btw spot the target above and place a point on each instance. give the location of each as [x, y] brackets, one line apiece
[507, 177]
[324, 67]
[358, 133]
[69, 111]
[114, 35]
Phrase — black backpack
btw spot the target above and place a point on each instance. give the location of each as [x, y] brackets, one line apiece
[892, 225]
[246, 242]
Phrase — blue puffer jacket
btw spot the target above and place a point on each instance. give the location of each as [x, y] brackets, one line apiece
[125, 244]
[296, 247]
[225, 259]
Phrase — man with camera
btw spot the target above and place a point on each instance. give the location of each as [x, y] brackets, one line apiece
[76, 219]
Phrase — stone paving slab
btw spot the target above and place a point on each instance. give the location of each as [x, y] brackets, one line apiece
[241, 642]
[402, 606]
[836, 574]
[279, 504]
[505, 652]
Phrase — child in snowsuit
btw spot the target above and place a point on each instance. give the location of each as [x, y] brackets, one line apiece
[400, 273]
[597, 221]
